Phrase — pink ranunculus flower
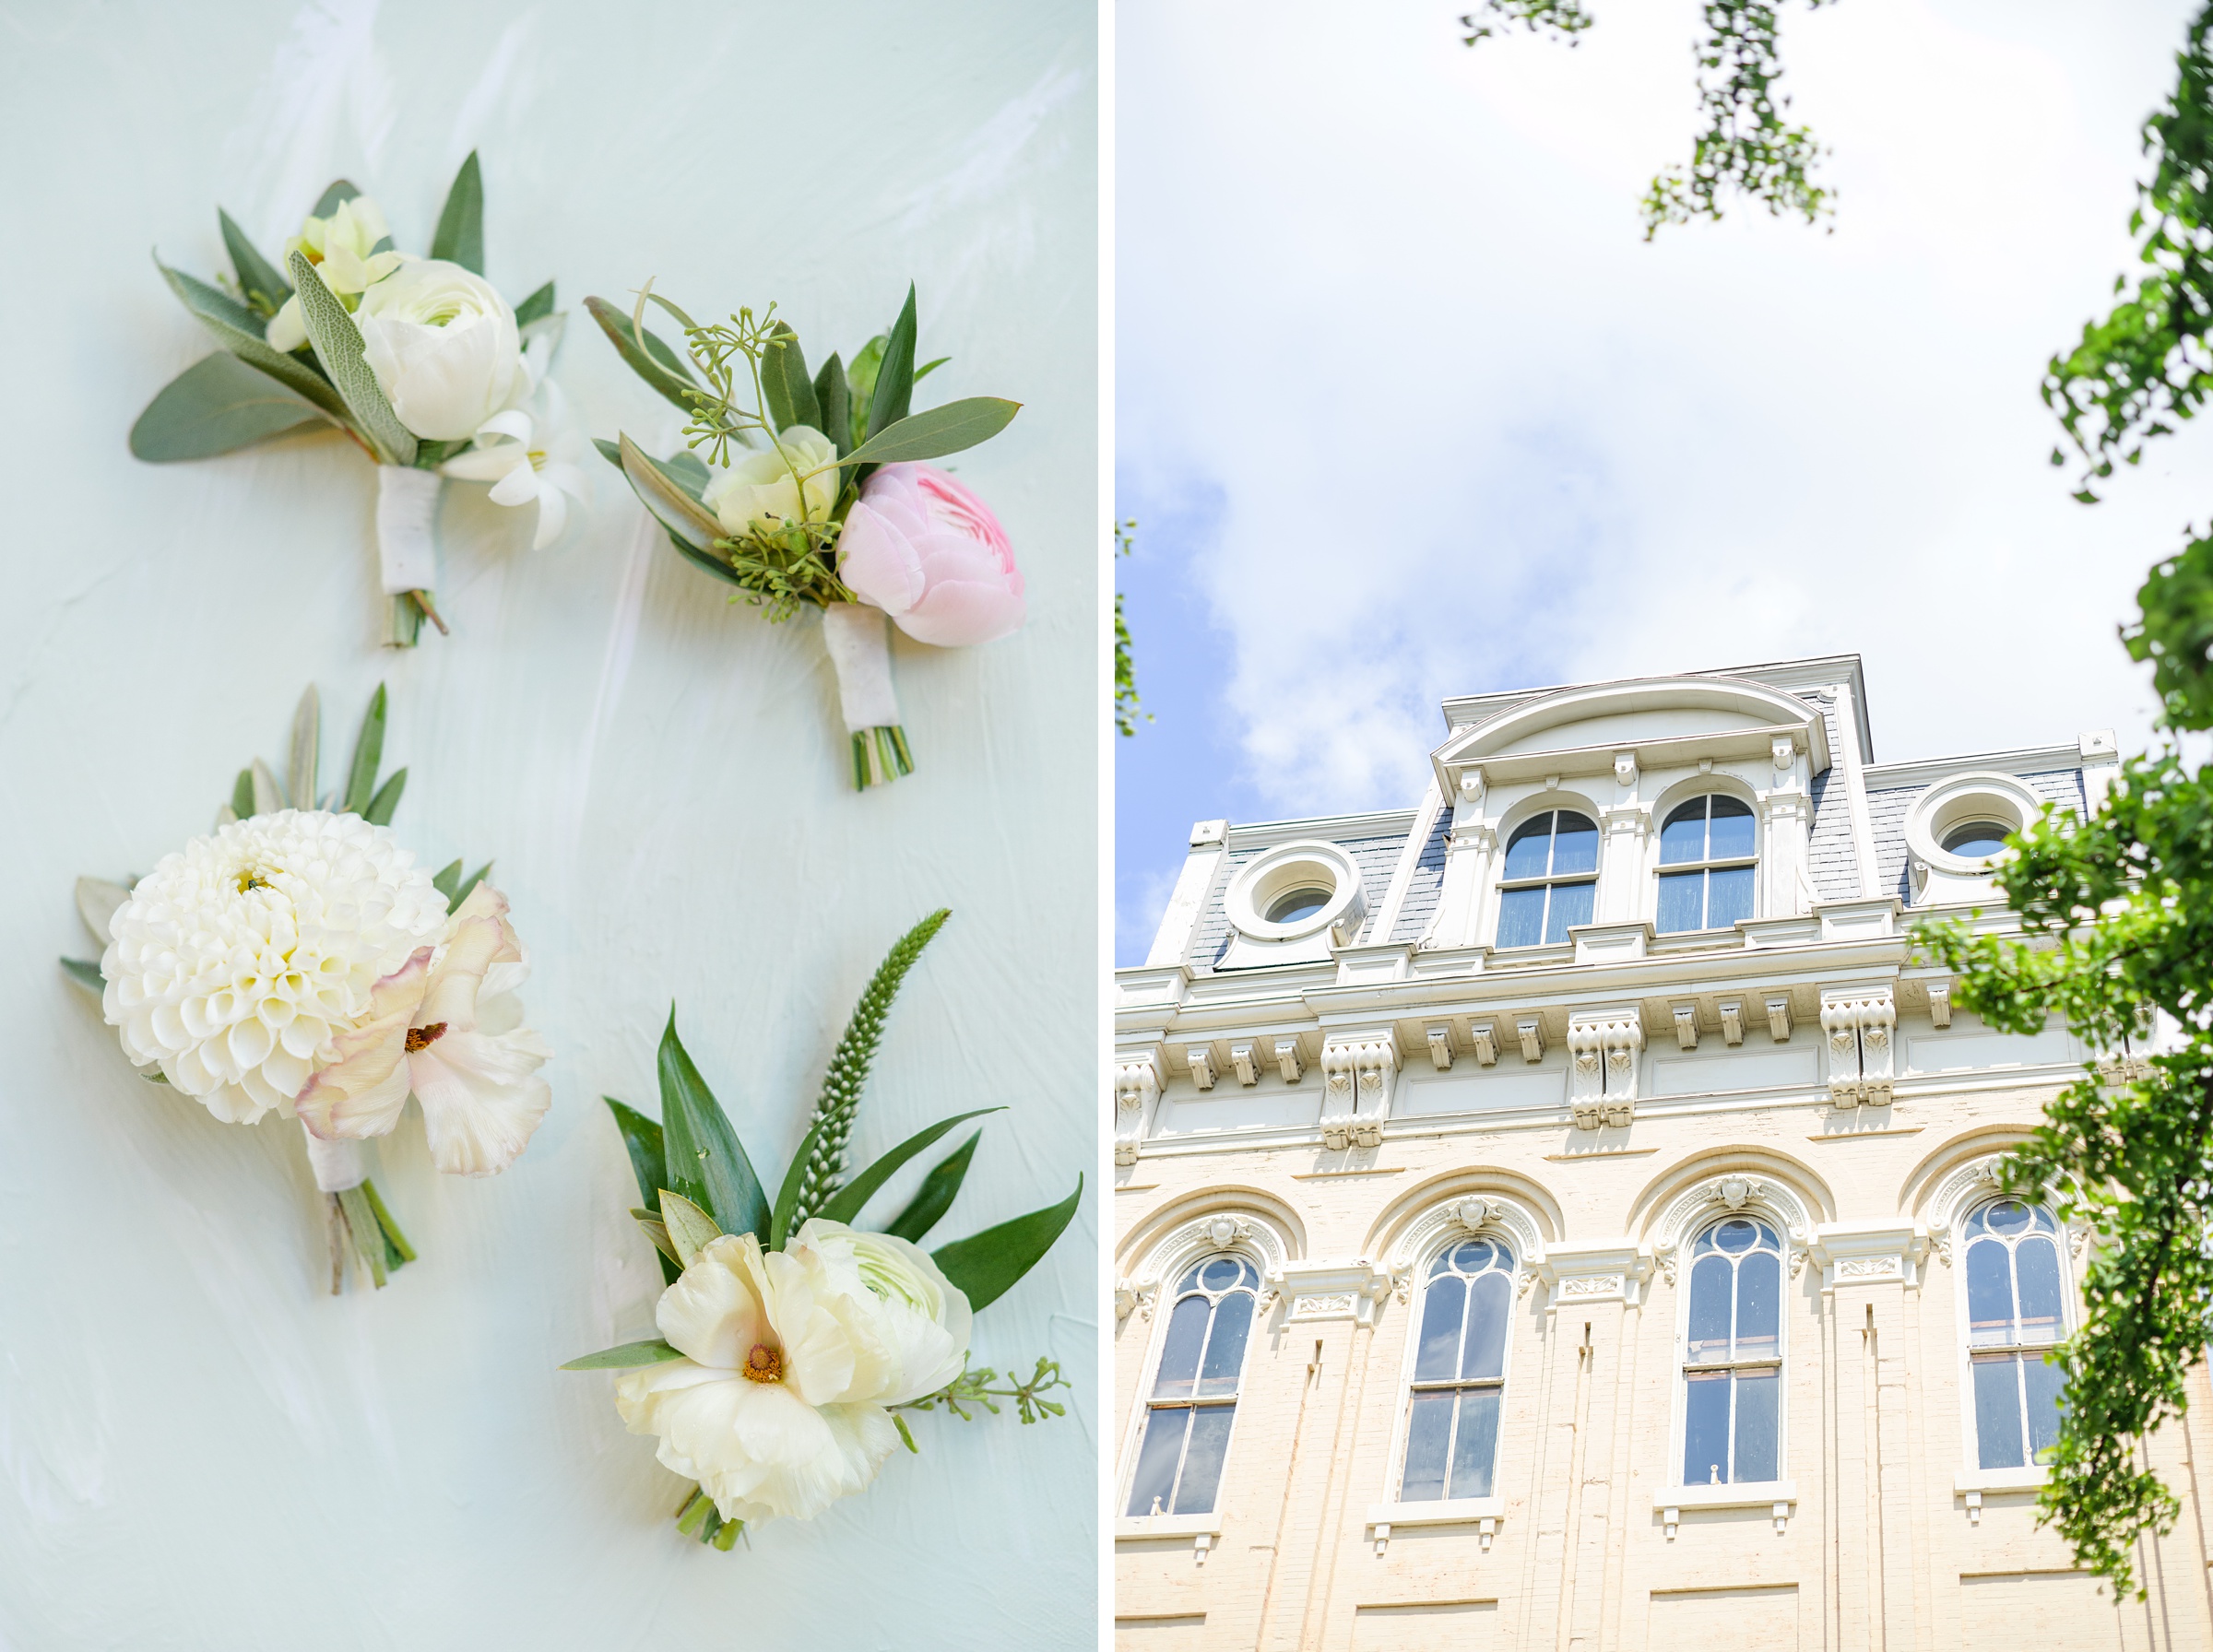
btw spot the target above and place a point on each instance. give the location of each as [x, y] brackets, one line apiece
[930, 554]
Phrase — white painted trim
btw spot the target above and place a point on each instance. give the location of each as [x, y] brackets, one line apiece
[1745, 1493]
[2000, 1480]
[1127, 1527]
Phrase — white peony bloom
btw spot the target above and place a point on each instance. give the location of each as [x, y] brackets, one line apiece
[527, 458]
[924, 1320]
[447, 1027]
[237, 960]
[339, 247]
[777, 1410]
[758, 491]
[444, 347]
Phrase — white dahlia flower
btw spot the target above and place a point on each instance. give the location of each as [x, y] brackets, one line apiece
[237, 960]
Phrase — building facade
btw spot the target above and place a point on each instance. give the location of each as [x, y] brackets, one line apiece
[1561, 1214]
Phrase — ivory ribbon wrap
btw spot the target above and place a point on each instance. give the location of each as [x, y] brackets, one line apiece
[857, 637]
[338, 1165]
[406, 506]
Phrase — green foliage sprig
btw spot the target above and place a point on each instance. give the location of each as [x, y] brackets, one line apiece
[1125, 657]
[1564, 19]
[974, 1387]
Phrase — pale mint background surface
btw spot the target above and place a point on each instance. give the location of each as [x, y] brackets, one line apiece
[198, 1447]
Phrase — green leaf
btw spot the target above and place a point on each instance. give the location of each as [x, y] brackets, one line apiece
[860, 380]
[86, 975]
[97, 900]
[537, 307]
[846, 1205]
[938, 430]
[657, 1229]
[447, 881]
[672, 507]
[269, 796]
[261, 281]
[987, 1265]
[655, 363]
[338, 346]
[690, 1229]
[652, 1351]
[301, 769]
[368, 751]
[935, 1197]
[218, 405]
[928, 367]
[461, 234]
[642, 1141]
[835, 404]
[327, 201]
[469, 883]
[784, 381]
[705, 1161]
[787, 1196]
[242, 794]
[689, 471]
[895, 377]
[379, 812]
[239, 330]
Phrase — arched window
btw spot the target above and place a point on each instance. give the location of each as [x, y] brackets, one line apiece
[2016, 1310]
[1194, 1396]
[1733, 1356]
[1707, 860]
[1551, 879]
[1458, 1373]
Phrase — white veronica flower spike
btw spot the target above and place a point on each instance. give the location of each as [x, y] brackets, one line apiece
[529, 459]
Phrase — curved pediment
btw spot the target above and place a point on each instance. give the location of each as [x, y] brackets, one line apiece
[1658, 718]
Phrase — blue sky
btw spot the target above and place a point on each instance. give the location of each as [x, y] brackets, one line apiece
[1406, 406]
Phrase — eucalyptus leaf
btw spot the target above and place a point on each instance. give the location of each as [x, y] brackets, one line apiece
[379, 812]
[655, 361]
[459, 237]
[936, 432]
[935, 1197]
[299, 783]
[652, 1351]
[269, 796]
[242, 795]
[327, 201]
[218, 405]
[239, 330]
[536, 308]
[834, 400]
[338, 346]
[97, 900]
[87, 975]
[257, 277]
[846, 1204]
[705, 1161]
[784, 381]
[658, 1230]
[690, 1229]
[368, 751]
[986, 1265]
[688, 471]
[672, 507]
[896, 376]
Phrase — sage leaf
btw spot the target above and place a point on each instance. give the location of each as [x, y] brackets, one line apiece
[705, 1161]
[269, 796]
[689, 1228]
[985, 1265]
[846, 1205]
[536, 308]
[97, 900]
[338, 346]
[652, 1352]
[938, 430]
[655, 361]
[935, 1197]
[896, 375]
[300, 769]
[784, 381]
[460, 238]
[239, 330]
[658, 1230]
[218, 405]
[368, 751]
[261, 281]
[379, 812]
[86, 975]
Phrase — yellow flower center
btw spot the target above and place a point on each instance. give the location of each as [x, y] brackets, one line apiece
[249, 877]
[764, 1364]
[423, 1037]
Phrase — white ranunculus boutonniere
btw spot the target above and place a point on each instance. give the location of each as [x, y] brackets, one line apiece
[792, 1341]
[807, 491]
[413, 358]
[297, 960]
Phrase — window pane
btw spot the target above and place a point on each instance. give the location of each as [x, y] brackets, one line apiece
[1574, 843]
[1475, 1444]
[2007, 1216]
[1222, 1273]
[1179, 1350]
[1571, 904]
[1682, 900]
[1684, 836]
[1429, 1431]
[1226, 1348]
[1998, 1412]
[2036, 1266]
[1731, 834]
[2043, 1383]
[1758, 1304]
[1521, 917]
[1709, 1286]
[1156, 1460]
[1528, 851]
[1758, 1423]
[1485, 1356]
[1440, 1330]
[1203, 1459]
[1989, 1293]
[1728, 896]
[1706, 1428]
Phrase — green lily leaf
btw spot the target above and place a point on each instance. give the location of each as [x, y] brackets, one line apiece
[655, 363]
[368, 751]
[705, 1161]
[935, 1197]
[218, 405]
[833, 398]
[938, 430]
[986, 1265]
[459, 237]
[86, 975]
[338, 345]
[97, 900]
[239, 330]
[784, 383]
[652, 1351]
[689, 1228]
[536, 308]
[379, 812]
[261, 281]
[642, 1141]
[846, 1204]
[896, 375]
[299, 771]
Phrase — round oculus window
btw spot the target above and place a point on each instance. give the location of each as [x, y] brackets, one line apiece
[1976, 840]
[1294, 905]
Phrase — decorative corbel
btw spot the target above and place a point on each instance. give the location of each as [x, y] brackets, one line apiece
[1441, 1047]
[1136, 1087]
[1783, 751]
[1940, 1003]
[1732, 1012]
[1288, 1061]
[1202, 1060]
[1779, 1019]
[1241, 1063]
[1686, 1025]
[1531, 1029]
[1624, 767]
[1483, 1039]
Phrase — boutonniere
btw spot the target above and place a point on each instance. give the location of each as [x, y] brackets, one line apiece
[297, 960]
[793, 1342]
[809, 491]
[419, 362]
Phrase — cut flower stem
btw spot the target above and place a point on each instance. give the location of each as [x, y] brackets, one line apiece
[880, 755]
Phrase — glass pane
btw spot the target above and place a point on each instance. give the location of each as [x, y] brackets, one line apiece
[1728, 896]
[2042, 1384]
[1977, 839]
[1203, 1459]
[1706, 1428]
[1571, 904]
[1737, 1234]
[1758, 1304]
[1226, 1348]
[1428, 1432]
[1475, 1444]
[1521, 917]
[1220, 1274]
[1758, 1425]
[1979, 1222]
[1730, 835]
[1156, 1460]
[1179, 1350]
[2007, 1216]
[1528, 850]
[1574, 845]
[1998, 1412]
[1684, 836]
[1299, 903]
[2043, 1220]
[1682, 903]
[2036, 1267]
[1440, 1330]
[1709, 1288]
[1989, 1293]
[1474, 1256]
[1190, 1279]
[1486, 1355]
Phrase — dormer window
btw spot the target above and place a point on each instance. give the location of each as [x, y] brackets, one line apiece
[1551, 879]
[1977, 840]
[1297, 904]
[1707, 860]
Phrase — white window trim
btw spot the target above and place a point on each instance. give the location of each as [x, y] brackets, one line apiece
[1417, 1304]
[1141, 1409]
[1670, 801]
[1495, 895]
[1760, 1211]
[1970, 1445]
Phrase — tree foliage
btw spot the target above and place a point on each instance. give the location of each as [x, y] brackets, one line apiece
[1125, 658]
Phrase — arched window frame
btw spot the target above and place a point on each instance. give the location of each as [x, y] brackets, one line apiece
[1502, 886]
[1781, 1229]
[1675, 797]
[1961, 1240]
